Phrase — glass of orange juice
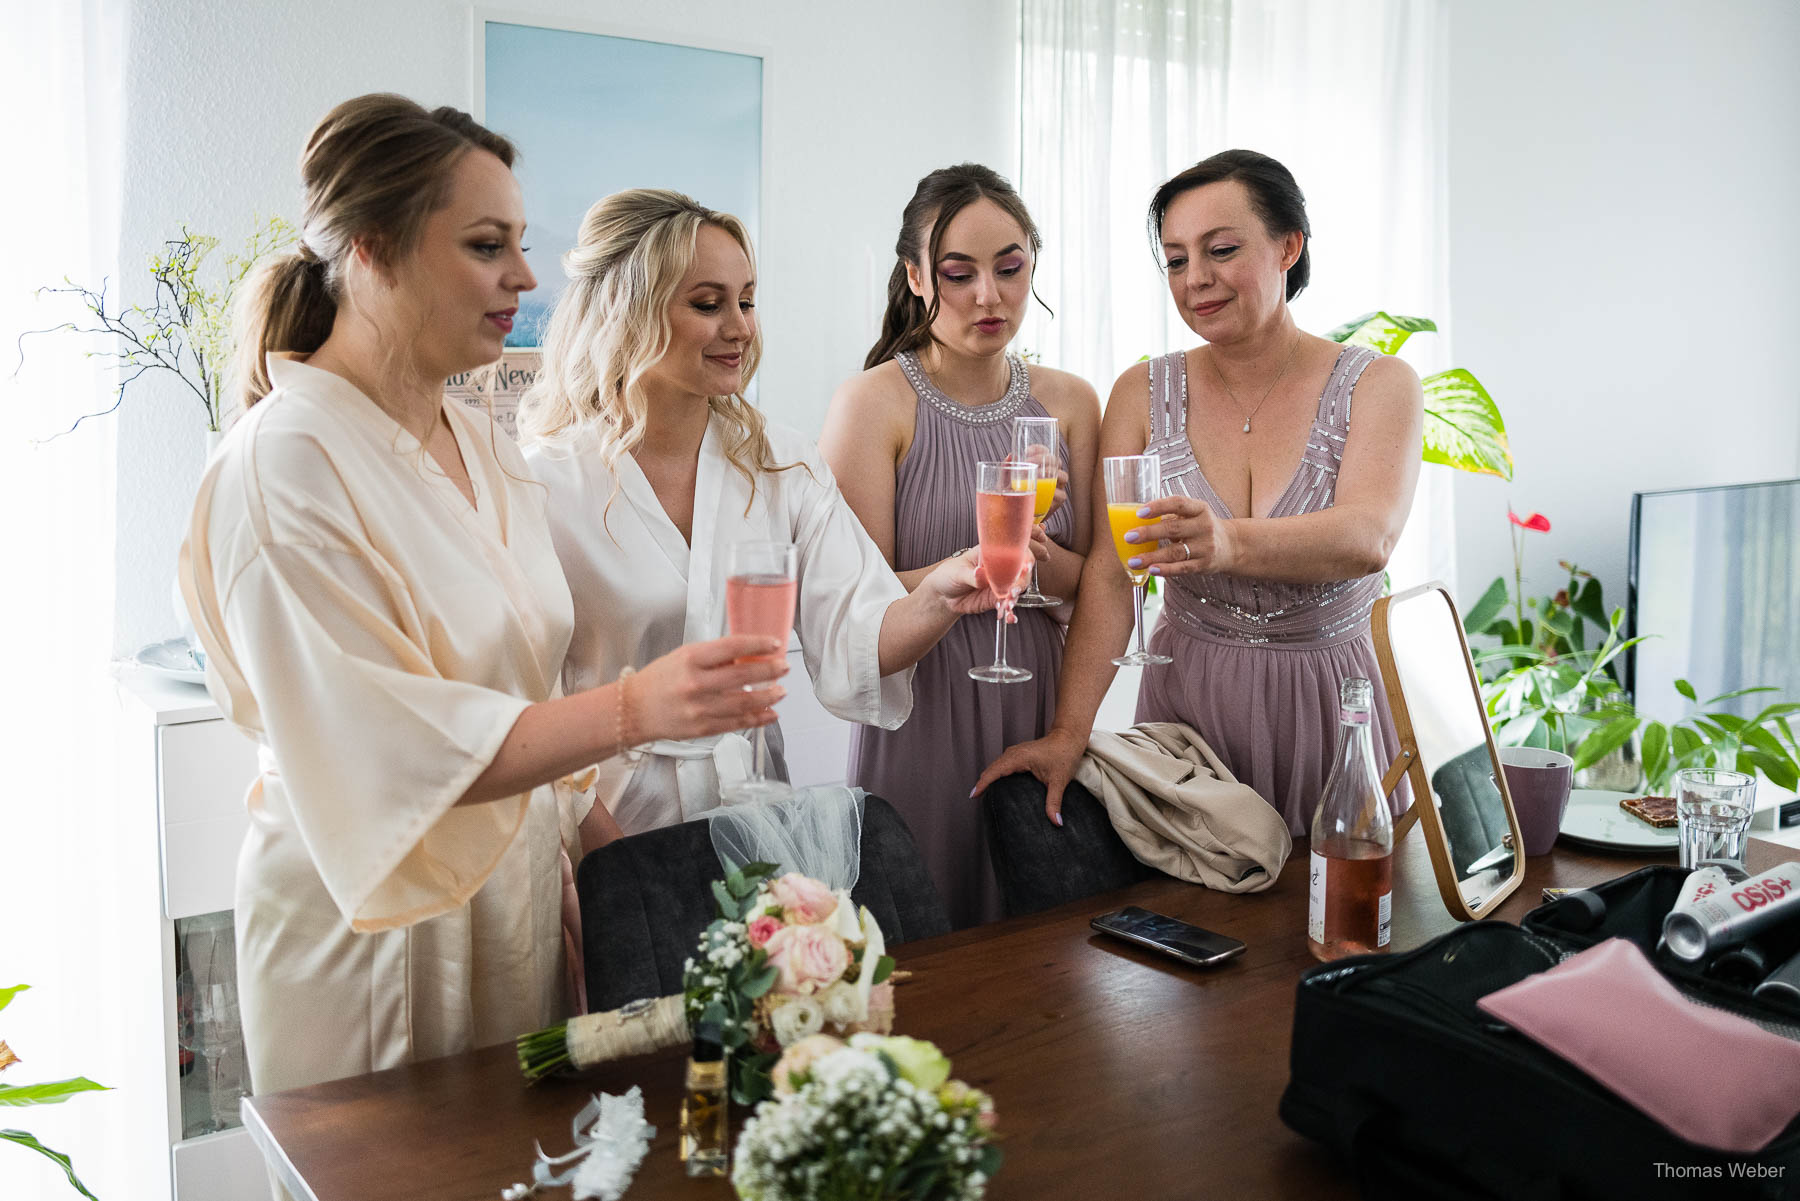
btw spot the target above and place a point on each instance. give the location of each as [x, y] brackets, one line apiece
[1133, 481]
[1035, 440]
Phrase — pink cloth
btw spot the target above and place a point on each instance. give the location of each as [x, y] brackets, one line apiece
[1708, 1076]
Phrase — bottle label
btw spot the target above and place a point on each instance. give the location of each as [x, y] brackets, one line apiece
[1386, 918]
[1315, 906]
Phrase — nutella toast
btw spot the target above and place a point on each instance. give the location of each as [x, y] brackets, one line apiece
[1659, 811]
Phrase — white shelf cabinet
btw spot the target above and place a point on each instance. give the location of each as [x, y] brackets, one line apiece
[195, 769]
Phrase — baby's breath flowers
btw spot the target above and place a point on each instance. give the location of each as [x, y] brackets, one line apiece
[872, 1119]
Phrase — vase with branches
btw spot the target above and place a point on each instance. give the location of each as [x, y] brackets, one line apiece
[185, 328]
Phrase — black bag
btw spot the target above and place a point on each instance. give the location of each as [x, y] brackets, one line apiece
[1424, 1095]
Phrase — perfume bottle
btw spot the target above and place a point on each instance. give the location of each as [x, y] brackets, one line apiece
[1352, 841]
[704, 1106]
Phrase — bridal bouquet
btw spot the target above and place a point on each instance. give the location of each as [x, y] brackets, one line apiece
[786, 958]
[874, 1119]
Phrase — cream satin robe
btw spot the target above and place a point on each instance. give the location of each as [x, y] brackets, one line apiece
[641, 591]
[379, 636]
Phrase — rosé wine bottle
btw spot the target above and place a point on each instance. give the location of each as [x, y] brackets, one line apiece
[1351, 887]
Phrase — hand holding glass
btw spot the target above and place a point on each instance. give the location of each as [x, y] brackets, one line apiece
[1035, 440]
[761, 587]
[1004, 495]
[1133, 481]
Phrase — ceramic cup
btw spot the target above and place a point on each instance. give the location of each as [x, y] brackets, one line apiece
[1539, 782]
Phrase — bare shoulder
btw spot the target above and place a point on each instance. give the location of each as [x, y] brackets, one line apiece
[1066, 396]
[1390, 382]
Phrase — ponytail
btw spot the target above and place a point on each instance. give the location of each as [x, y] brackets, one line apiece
[905, 324]
[287, 305]
[374, 169]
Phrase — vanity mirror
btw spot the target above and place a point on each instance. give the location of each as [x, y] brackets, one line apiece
[1447, 749]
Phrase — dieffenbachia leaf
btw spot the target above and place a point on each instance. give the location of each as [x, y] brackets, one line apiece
[50, 1092]
[1381, 331]
[1463, 427]
[61, 1160]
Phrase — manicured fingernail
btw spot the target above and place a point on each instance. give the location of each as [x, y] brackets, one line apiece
[1157, 570]
[973, 791]
[1134, 561]
[1132, 535]
[1057, 818]
[1144, 512]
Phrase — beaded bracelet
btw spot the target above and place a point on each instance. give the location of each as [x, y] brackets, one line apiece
[622, 723]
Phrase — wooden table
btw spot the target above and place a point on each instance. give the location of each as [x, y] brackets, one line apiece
[1106, 1064]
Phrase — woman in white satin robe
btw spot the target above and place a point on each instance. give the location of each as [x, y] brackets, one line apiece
[371, 574]
[656, 465]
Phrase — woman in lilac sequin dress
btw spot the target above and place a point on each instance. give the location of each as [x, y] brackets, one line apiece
[1288, 466]
[938, 395]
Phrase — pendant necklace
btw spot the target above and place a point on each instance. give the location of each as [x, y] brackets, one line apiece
[1265, 396]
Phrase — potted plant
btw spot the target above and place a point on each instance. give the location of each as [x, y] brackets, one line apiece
[52, 1092]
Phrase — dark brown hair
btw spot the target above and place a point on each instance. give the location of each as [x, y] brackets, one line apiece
[1274, 196]
[373, 170]
[906, 324]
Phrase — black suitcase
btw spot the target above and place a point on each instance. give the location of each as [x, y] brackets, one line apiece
[1424, 1095]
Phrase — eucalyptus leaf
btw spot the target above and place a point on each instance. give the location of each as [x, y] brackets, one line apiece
[884, 967]
[762, 982]
[62, 1161]
[1463, 426]
[728, 905]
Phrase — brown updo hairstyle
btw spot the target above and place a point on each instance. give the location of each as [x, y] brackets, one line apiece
[373, 171]
[1274, 197]
[906, 323]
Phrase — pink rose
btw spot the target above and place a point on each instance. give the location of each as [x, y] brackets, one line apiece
[807, 957]
[804, 900]
[881, 1011]
[800, 1057]
[762, 929]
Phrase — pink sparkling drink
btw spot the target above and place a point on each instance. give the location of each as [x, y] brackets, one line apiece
[1003, 525]
[760, 604]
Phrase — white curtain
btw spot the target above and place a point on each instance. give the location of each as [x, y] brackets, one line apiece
[59, 817]
[1118, 95]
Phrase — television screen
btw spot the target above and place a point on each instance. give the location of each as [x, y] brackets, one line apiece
[1715, 582]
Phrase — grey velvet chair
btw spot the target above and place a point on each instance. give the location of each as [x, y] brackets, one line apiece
[645, 899]
[1040, 865]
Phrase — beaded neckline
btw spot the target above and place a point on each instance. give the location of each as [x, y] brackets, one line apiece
[1018, 391]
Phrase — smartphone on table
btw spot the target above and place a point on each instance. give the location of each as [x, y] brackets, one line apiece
[1174, 938]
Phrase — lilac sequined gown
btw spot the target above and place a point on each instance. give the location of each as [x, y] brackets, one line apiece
[958, 726]
[1258, 663]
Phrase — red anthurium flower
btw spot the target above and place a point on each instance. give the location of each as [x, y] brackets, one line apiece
[1537, 521]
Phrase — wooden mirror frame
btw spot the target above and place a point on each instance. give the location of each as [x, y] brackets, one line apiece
[1408, 763]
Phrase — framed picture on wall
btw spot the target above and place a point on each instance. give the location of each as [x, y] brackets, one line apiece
[594, 110]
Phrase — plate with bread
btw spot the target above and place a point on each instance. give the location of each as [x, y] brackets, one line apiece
[1621, 821]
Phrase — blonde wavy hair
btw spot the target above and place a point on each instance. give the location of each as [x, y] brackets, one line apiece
[611, 326]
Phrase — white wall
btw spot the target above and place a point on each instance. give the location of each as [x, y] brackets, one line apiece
[861, 99]
[1624, 256]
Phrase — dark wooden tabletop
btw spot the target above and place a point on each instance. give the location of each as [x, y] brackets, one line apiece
[1107, 1064]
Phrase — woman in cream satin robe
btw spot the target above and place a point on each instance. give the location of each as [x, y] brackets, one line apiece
[372, 576]
[651, 482]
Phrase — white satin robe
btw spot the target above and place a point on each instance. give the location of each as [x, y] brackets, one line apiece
[379, 637]
[641, 591]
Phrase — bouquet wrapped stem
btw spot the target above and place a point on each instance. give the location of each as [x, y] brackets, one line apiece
[786, 958]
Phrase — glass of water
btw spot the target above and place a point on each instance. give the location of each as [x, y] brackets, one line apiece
[1713, 809]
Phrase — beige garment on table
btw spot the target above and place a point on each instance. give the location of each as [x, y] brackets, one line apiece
[641, 590]
[379, 636]
[1180, 810]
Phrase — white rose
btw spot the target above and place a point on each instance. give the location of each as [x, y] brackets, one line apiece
[841, 1004]
[796, 1019]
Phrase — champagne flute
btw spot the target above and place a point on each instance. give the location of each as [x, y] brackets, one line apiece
[761, 587]
[1133, 481]
[1004, 495]
[1035, 441]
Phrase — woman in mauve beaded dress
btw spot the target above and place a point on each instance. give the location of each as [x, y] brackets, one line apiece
[1279, 511]
[939, 394]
